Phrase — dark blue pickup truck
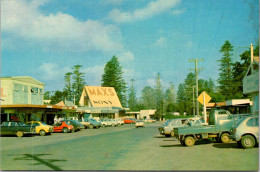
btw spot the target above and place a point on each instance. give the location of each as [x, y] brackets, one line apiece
[16, 128]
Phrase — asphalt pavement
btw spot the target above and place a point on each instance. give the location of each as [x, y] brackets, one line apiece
[121, 148]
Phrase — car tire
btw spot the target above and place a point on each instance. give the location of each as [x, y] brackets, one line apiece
[172, 133]
[103, 125]
[189, 141]
[248, 141]
[19, 134]
[42, 132]
[224, 138]
[65, 130]
[91, 127]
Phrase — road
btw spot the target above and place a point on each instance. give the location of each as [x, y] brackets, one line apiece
[121, 148]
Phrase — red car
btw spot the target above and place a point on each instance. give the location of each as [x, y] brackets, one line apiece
[129, 120]
[63, 127]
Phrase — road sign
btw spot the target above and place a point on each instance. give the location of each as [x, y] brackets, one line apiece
[207, 98]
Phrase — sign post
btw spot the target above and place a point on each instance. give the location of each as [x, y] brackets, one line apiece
[204, 98]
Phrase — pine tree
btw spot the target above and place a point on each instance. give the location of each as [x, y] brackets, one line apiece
[113, 77]
[159, 97]
[148, 98]
[132, 101]
[68, 85]
[225, 79]
[78, 83]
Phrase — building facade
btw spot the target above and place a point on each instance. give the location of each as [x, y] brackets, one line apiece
[21, 90]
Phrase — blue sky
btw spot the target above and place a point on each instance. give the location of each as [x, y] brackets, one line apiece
[45, 38]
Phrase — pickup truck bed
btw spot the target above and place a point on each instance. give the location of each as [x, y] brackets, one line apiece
[194, 130]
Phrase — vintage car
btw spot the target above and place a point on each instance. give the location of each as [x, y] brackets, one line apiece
[120, 121]
[139, 123]
[16, 128]
[92, 123]
[129, 120]
[246, 132]
[41, 127]
[63, 127]
[168, 128]
[77, 125]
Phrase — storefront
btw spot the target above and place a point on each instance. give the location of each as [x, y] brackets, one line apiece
[101, 102]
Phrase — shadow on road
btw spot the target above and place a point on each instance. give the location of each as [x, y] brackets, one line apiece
[204, 141]
[167, 146]
[159, 136]
[169, 140]
[41, 161]
[227, 145]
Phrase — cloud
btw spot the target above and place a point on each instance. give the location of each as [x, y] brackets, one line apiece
[113, 2]
[161, 42]
[56, 32]
[177, 12]
[93, 75]
[126, 56]
[152, 9]
[52, 72]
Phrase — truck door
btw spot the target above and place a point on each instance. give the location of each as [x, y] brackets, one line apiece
[225, 122]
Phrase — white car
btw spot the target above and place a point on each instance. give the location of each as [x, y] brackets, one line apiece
[139, 123]
[120, 121]
[108, 122]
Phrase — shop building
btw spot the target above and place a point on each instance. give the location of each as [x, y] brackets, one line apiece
[22, 100]
[21, 90]
[100, 102]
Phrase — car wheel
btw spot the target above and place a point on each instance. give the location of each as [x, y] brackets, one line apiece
[113, 125]
[19, 134]
[42, 133]
[91, 127]
[248, 141]
[239, 143]
[65, 130]
[103, 125]
[189, 141]
[224, 138]
[172, 133]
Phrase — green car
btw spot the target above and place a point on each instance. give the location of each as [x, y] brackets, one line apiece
[16, 128]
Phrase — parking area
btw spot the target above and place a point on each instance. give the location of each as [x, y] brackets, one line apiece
[121, 148]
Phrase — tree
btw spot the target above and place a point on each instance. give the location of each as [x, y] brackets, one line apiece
[169, 99]
[159, 97]
[46, 95]
[113, 77]
[57, 97]
[68, 86]
[132, 101]
[240, 69]
[225, 79]
[148, 98]
[78, 83]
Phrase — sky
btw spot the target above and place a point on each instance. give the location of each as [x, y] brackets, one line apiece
[45, 38]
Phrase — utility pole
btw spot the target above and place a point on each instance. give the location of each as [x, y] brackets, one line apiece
[193, 100]
[197, 84]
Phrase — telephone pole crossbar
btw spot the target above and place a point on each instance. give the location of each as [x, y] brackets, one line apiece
[197, 85]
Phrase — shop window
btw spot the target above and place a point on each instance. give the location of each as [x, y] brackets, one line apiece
[17, 87]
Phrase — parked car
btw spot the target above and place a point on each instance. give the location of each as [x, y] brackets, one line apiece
[63, 127]
[120, 121]
[16, 128]
[160, 128]
[246, 132]
[41, 127]
[106, 122]
[84, 122]
[139, 123]
[92, 123]
[77, 125]
[129, 120]
[114, 122]
[168, 128]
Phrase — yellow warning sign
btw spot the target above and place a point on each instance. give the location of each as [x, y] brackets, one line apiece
[202, 96]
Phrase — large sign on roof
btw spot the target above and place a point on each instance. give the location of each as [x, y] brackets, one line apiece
[100, 96]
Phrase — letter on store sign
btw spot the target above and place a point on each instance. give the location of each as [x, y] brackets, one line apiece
[2, 93]
[111, 92]
[92, 92]
[105, 92]
[99, 93]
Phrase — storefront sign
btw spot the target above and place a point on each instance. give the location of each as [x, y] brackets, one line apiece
[251, 83]
[102, 96]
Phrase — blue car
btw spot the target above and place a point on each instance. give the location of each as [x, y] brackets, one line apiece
[93, 123]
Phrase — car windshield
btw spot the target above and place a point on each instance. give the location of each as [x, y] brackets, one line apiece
[43, 123]
[92, 120]
[76, 122]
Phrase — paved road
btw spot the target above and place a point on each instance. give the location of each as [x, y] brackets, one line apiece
[121, 148]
